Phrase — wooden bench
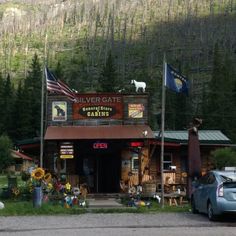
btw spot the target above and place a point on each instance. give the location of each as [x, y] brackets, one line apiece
[174, 198]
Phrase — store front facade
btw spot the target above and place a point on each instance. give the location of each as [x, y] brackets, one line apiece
[100, 139]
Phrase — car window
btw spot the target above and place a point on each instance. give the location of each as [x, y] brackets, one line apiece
[211, 179]
[225, 178]
[203, 179]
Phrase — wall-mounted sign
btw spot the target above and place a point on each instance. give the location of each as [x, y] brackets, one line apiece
[97, 111]
[98, 106]
[99, 145]
[66, 150]
[59, 111]
[135, 110]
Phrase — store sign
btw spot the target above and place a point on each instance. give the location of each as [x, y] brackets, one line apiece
[97, 111]
[98, 106]
[135, 110]
[66, 150]
[59, 111]
[100, 145]
[136, 144]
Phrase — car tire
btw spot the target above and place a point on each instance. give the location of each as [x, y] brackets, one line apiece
[193, 206]
[210, 212]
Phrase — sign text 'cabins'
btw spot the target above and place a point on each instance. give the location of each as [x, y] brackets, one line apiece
[96, 106]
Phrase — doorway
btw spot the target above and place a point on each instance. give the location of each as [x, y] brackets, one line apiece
[99, 169]
[107, 173]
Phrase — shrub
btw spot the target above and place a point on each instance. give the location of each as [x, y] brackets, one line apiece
[223, 157]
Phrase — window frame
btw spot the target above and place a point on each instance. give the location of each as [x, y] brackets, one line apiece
[167, 162]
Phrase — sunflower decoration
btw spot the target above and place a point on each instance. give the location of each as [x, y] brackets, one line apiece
[47, 178]
[15, 191]
[37, 176]
[68, 187]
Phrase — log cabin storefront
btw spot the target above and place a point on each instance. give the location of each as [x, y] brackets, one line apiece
[100, 139]
[177, 158]
[104, 140]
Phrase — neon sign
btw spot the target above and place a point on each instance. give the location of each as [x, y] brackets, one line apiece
[100, 146]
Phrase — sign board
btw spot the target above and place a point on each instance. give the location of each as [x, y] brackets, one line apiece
[99, 145]
[59, 111]
[66, 150]
[135, 110]
[98, 106]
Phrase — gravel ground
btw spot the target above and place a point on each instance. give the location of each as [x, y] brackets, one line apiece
[116, 224]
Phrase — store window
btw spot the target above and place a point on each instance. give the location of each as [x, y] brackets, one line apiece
[167, 161]
[135, 163]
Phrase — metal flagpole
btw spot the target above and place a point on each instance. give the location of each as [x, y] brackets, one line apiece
[42, 106]
[163, 129]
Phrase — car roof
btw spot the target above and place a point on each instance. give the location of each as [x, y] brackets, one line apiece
[230, 174]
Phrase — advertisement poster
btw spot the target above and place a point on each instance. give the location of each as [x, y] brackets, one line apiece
[135, 110]
[59, 111]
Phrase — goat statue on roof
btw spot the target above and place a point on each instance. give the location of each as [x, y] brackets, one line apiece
[139, 85]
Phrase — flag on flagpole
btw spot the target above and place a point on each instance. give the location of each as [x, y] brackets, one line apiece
[56, 86]
[175, 81]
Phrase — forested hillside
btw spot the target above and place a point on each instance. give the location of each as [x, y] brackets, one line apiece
[75, 39]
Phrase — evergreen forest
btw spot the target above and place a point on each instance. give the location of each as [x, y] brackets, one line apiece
[101, 45]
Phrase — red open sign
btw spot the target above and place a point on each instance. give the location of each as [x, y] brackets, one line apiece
[100, 145]
[136, 144]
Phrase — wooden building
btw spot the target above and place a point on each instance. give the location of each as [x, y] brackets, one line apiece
[100, 139]
[104, 140]
[176, 155]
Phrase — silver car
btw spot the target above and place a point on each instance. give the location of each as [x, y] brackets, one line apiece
[215, 194]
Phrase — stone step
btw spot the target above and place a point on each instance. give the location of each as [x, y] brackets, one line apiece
[104, 203]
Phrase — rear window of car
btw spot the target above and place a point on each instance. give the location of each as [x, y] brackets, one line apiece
[228, 177]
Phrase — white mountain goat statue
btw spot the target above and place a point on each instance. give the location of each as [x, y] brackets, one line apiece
[139, 85]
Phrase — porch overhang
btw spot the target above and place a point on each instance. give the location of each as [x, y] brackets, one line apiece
[99, 132]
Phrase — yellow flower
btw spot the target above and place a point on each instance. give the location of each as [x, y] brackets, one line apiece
[15, 191]
[37, 173]
[31, 188]
[48, 177]
[68, 186]
[50, 186]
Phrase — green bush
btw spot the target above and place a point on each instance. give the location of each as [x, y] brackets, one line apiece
[223, 157]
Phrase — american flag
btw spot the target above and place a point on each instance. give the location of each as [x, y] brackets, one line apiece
[56, 86]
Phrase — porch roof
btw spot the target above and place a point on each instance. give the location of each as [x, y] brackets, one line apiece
[208, 137]
[17, 154]
[99, 132]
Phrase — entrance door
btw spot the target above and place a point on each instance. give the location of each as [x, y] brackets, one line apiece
[108, 173]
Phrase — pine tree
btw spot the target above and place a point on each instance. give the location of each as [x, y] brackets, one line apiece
[32, 100]
[19, 112]
[219, 104]
[108, 80]
[1, 105]
[8, 98]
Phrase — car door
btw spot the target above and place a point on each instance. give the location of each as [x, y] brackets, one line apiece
[199, 192]
[208, 191]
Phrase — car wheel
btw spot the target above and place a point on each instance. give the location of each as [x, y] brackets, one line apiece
[210, 212]
[193, 206]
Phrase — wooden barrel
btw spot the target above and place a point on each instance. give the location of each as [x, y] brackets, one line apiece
[149, 188]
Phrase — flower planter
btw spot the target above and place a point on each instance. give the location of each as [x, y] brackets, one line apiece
[37, 197]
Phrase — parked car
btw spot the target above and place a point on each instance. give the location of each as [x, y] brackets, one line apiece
[215, 194]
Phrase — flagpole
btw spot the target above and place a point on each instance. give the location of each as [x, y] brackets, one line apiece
[42, 106]
[163, 129]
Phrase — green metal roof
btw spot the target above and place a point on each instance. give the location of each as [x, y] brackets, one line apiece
[205, 136]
